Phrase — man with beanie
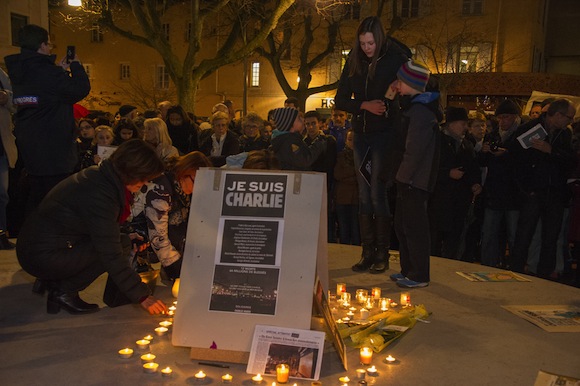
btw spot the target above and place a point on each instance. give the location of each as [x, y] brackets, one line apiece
[128, 112]
[541, 173]
[416, 174]
[500, 192]
[289, 148]
[458, 183]
[44, 125]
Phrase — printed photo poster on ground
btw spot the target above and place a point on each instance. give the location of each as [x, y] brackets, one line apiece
[255, 241]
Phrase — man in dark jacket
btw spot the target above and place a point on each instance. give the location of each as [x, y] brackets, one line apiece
[44, 94]
[542, 167]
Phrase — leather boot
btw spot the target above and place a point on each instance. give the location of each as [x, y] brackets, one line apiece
[367, 233]
[69, 301]
[383, 232]
[39, 287]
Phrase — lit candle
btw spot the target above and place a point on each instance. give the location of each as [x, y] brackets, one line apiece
[227, 378]
[344, 379]
[166, 372]
[282, 373]
[148, 337]
[257, 379]
[147, 358]
[143, 344]
[405, 299]
[175, 302]
[161, 331]
[353, 309]
[340, 288]
[200, 376]
[361, 373]
[361, 295]
[346, 319]
[370, 303]
[175, 288]
[315, 383]
[384, 303]
[366, 355]
[364, 313]
[350, 314]
[345, 298]
[372, 371]
[376, 292]
[172, 308]
[390, 359]
[165, 323]
[150, 367]
[126, 353]
[170, 312]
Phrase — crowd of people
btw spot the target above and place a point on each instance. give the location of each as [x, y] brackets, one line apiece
[102, 193]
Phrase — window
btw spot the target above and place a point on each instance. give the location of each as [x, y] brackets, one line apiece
[472, 7]
[161, 77]
[16, 22]
[165, 30]
[89, 70]
[469, 58]
[96, 33]
[124, 71]
[255, 75]
[409, 8]
[352, 11]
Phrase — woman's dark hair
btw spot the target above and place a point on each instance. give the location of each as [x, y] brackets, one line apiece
[357, 57]
[89, 121]
[190, 161]
[177, 109]
[136, 161]
[261, 159]
[125, 123]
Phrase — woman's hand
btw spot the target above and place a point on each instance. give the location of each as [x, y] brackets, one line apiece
[138, 242]
[376, 106]
[154, 306]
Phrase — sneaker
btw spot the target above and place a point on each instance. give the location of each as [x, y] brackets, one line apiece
[408, 283]
[397, 276]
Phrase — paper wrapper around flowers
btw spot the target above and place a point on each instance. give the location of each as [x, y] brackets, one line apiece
[377, 334]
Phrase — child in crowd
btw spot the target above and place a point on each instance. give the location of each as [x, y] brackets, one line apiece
[103, 137]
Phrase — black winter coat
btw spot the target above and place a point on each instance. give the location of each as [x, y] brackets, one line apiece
[354, 90]
[44, 123]
[81, 213]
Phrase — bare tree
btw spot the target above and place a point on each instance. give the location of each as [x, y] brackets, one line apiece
[186, 69]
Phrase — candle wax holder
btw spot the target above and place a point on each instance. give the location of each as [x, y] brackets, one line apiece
[227, 378]
[161, 331]
[200, 376]
[166, 372]
[257, 379]
[150, 367]
[147, 358]
[126, 353]
[143, 344]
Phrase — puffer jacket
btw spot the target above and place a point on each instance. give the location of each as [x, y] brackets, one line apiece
[44, 123]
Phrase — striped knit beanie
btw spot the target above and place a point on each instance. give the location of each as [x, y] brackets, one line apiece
[284, 118]
[414, 74]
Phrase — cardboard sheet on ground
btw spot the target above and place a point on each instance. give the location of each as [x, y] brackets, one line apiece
[492, 276]
[558, 318]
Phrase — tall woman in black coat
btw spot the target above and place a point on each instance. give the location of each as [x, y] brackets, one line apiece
[74, 235]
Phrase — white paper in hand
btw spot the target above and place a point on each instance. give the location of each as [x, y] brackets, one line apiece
[536, 132]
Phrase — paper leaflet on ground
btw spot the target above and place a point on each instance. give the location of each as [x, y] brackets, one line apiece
[505, 276]
[558, 318]
[545, 378]
[536, 132]
[301, 350]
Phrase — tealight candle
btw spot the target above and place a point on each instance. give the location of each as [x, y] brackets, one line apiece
[161, 331]
[148, 337]
[165, 323]
[200, 376]
[143, 344]
[372, 371]
[340, 288]
[344, 379]
[390, 359]
[172, 308]
[376, 293]
[346, 319]
[150, 367]
[126, 353]
[361, 373]
[166, 372]
[405, 299]
[366, 355]
[282, 373]
[364, 313]
[350, 314]
[170, 312]
[227, 378]
[315, 383]
[257, 379]
[147, 358]
[353, 309]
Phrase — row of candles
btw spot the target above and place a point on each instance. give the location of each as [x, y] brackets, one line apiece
[363, 298]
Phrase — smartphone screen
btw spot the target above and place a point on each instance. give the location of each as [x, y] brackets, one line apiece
[70, 53]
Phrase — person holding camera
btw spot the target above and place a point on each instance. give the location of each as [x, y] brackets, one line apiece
[500, 193]
[44, 125]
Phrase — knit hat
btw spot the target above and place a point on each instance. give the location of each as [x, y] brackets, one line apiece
[126, 109]
[284, 118]
[414, 74]
[508, 106]
[453, 114]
